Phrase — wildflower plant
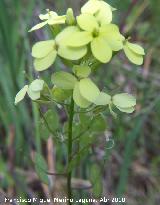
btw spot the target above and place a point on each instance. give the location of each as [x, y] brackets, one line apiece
[82, 43]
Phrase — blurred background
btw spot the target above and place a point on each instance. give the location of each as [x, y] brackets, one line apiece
[132, 167]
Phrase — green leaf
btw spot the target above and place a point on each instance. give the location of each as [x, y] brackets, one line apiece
[82, 71]
[21, 94]
[32, 94]
[61, 95]
[80, 39]
[87, 22]
[43, 48]
[127, 110]
[79, 100]
[136, 48]
[64, 80]
[72, 53]
[104, 15]
[133, 57]
[124, 100]
[85, 119]
[41, 168]
[52, 119]
[37, 85]
[96, 180]
[90, 7]
[101, 50]
[88, 89]
[41, 64]
[103, 99]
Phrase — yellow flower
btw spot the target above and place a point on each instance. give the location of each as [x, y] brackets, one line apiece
[50, 18]
[103, 39]
[99, 8]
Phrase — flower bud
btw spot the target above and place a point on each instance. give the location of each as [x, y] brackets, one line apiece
[70, 19]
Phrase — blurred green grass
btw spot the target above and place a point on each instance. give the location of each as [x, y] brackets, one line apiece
[136, 137]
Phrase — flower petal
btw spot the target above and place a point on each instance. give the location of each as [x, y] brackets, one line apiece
[88, 89]
[104, 15]
[21, 94]
[80, 39]
[87, 22]
[38, 26]
[41, 64]
[57, 20]
[64, 80]
[32, 94]
[72, 53]
[133, 57]
[42, 48]
[79, 100]
[127, 110]
[46, 16]
[101, 50]
[135, 48]
[103, 99]
[37, 85]
[109, 28]
[114, 40]
[124, 100]
[63, 36]
[91, 7]
[112, 35]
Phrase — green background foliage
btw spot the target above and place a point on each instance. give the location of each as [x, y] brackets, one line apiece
[131, 167]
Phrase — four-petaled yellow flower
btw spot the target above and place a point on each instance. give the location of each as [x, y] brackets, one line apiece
[103, 38]
[50, 18]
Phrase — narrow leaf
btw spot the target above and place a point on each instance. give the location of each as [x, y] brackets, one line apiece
[41, 168]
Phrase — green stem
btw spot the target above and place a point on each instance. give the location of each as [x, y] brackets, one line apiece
[36, 119]
[70, 126]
